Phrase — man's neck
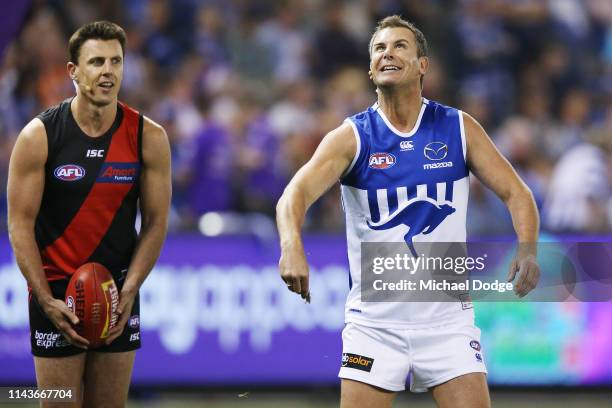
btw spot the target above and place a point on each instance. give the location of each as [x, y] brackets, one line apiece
[401, 106]
[93, 120]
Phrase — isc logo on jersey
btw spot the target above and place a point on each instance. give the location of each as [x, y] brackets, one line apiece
[381, 161]
[69, 172]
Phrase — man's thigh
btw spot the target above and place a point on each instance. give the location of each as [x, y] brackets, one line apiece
[466, 391]
[355, 394]
[107, 379]
[61, 373]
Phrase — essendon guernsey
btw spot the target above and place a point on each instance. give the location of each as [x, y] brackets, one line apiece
[89, 203]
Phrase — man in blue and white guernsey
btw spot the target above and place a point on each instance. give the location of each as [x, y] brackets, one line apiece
[403, 166]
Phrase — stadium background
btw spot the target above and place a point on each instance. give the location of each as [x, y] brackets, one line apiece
[246, 90]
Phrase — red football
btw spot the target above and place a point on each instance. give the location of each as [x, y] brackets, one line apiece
[93, 296]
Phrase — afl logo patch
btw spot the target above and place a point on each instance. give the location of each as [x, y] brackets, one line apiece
[475, 345]
[381, 161]
[134, 322]
[69, 172]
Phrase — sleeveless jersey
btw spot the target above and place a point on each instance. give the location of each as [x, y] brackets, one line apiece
[405, 187]
[89, 203]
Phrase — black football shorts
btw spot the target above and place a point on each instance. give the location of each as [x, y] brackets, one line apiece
[47, 341]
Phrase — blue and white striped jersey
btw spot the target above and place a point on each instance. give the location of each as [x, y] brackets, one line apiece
[405, 187]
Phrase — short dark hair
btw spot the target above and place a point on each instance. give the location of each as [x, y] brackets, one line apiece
[97, 30]
[397, 21]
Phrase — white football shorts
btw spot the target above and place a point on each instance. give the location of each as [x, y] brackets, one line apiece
[384, 357]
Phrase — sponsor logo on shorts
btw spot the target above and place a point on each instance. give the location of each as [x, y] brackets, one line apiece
[134, 322]
[49, 340]
[135, 336]
[475, 345]
[357, 362]
[479, 357]
[466, 301]
[381, 161]
[69, 172]
[355, 310]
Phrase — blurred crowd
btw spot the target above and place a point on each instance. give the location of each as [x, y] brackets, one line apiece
[247, 89]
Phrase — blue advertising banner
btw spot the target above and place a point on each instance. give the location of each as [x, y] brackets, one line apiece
[215, 312]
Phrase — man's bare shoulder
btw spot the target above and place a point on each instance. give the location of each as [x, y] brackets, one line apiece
[32, 141]
[155, 144]
[34, 130]
[341, 139]
[338, 147]
[338, 143]
[152, 129]
[154, 136]
[344, 131]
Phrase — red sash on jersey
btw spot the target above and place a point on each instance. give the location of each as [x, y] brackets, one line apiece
[89, 226]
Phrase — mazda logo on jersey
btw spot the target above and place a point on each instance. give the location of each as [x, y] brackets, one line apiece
[69, 172]
[381, 161]
[436, 151]
[118, 173]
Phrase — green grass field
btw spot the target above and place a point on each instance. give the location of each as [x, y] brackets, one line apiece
[329, 399]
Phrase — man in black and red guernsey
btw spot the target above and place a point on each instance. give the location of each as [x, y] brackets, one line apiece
[77, 173]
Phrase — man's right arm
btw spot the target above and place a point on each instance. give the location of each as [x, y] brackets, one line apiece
[26, 180]
[329, 162]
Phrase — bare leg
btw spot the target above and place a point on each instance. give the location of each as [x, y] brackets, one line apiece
[107, 379]
[61, 373]
[466, 391]
[355, 394]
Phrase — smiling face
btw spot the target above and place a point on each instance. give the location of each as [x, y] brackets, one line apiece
[394, 58]
[99, 71]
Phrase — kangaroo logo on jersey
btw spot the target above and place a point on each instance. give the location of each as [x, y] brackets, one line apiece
[381, 161]
[436, 151]
[421, 216]
[69, 172]
[406, 145]
[118, 173]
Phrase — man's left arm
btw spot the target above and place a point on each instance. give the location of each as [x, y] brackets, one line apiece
[155, 193]
[495, 172]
